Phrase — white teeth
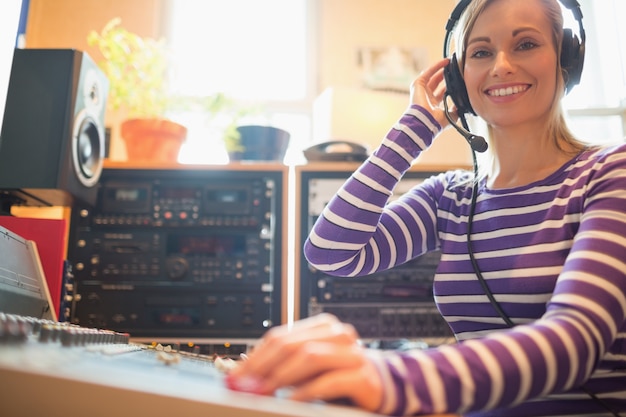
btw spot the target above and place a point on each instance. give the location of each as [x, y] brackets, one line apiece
[507, 91]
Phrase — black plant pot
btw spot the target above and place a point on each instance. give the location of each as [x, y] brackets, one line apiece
[262, 143]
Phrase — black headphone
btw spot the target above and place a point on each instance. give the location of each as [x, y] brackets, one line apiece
[572, 57]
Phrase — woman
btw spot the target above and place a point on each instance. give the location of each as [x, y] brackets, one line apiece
[548, 236]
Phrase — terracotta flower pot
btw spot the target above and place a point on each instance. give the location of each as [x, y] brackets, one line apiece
[153, 140]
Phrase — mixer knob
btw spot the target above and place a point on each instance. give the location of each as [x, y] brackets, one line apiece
[177, 267]
[14, 329]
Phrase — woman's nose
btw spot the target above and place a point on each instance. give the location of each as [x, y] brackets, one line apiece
[502, 64]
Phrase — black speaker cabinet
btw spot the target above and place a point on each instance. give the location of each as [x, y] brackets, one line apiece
[52, 140]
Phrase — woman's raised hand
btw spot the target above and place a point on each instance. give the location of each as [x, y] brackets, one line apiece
[428, 91]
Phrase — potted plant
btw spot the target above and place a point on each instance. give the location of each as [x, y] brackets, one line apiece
[220, 111]
[251, 142]
[137, 71]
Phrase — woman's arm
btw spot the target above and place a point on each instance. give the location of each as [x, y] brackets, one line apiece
[357, 233]
[354, 235]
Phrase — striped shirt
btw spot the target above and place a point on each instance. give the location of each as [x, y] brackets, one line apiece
[553, 253]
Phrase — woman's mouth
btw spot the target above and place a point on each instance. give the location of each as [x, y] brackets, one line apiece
[507, 91]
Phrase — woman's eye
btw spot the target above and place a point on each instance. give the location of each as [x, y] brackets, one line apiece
[479, 53]
[527, 45]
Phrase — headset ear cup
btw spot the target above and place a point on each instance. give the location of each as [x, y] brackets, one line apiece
[571, 59]
[455, 86]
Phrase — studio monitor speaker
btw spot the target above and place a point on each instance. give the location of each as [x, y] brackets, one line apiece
[52, 140]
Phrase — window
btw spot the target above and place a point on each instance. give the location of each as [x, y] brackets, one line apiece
[257, 52]
[262, 52]
[597, 107]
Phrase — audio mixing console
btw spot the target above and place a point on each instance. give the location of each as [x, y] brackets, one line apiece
[57, 369]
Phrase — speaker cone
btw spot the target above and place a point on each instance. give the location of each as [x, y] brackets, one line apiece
[87, 150]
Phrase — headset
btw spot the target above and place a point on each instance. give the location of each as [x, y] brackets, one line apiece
[572, 61]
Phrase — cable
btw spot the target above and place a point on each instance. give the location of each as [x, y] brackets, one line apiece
[477, 144]
[470, 249]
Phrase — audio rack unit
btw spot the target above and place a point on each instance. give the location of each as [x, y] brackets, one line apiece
[386, 306]
[182, 253]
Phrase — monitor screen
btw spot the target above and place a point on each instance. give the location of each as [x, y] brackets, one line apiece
[9, 22]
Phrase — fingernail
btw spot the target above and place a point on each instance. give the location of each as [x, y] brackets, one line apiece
[244, 384]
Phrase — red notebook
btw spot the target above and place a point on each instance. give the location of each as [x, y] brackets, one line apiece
[50, 237]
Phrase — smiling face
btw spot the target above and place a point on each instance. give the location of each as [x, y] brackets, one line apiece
[511, 64]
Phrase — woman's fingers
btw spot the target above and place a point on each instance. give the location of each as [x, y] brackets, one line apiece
[429, 88]
[275, 353]
[429, 79]
[312, 360]
[437, 86]
[429, 72]
[281, 343]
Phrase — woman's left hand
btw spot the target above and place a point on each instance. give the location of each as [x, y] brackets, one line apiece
[319, 358]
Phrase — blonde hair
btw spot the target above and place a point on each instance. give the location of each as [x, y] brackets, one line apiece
[557, 127]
